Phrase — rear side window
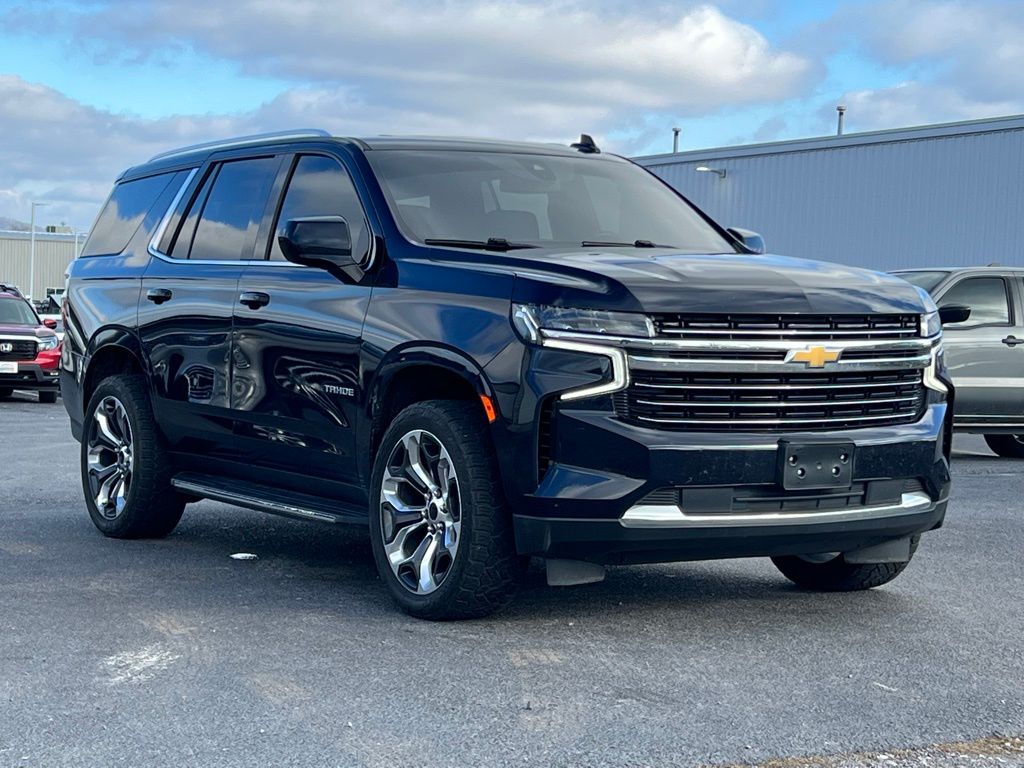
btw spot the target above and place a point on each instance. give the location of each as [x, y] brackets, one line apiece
[230, 219]
[124, 212]
[321, 187]
[986, 296]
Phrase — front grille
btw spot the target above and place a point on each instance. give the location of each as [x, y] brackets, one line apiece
[545, 438]
[757, 401]
[21, 349]
[784, 327]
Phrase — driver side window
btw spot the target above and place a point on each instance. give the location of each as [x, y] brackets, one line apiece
[320, 186]
[987, 297]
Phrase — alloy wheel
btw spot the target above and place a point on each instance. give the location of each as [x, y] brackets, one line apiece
[110, 457]
[420, 512]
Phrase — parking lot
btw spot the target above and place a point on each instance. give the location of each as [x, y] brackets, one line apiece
[171, 653]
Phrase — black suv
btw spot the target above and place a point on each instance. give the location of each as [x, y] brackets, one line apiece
[488, 351]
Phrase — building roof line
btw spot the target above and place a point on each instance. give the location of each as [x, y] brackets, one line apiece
[890, 135]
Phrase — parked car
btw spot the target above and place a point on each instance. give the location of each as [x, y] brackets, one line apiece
[487, 351]
[983, 351]
[29, 349]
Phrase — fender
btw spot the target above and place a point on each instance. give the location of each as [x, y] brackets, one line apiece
[400, 358]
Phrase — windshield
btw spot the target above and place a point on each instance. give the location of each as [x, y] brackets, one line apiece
[926, 280]
[17, 312]
[541, 200]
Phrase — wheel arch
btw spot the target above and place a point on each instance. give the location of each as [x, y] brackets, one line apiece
[110, 351]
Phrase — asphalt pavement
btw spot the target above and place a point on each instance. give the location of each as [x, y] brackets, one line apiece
[171, 653]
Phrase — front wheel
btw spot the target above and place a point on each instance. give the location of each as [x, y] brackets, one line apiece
[1007, 446]
[831, 573]
[125, 469]
[6, 392]
[439, 526]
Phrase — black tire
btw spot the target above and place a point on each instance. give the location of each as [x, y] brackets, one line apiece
[151, 507]
[837, 575]
[6, 392]
[483, 575]
[1007, 446]
[47, 397]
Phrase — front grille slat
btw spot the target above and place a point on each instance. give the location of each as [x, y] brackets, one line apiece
[785, 327]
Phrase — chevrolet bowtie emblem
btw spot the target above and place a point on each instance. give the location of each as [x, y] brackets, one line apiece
[813, 357]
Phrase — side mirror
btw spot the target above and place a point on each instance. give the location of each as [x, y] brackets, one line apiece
[317, 241]
[50, 323]
[752, 241]
[954, 313]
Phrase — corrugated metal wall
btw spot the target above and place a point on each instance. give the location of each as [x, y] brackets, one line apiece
[53, 254]
[940, 195]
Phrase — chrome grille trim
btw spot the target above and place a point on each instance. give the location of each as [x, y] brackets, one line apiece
[764, 422]
[726, 365]
[773, 404]
[787, 326]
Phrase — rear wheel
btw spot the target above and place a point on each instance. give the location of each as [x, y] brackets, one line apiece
[125, 473]
[439, 526]
[1007, 446]
[48, 397]
[831, 573]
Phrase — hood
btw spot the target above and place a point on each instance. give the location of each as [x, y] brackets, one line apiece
[667, 281]
[35, 331]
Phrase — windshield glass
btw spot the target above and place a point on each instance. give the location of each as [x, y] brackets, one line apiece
[537, 199]
[926, 280]
[16, 312]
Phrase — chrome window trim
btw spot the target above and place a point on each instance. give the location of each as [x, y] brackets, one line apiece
[673, 516]
[158, 235]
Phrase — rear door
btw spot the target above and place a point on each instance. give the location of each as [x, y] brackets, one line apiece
[188, 295]
[984, 358]
[297, 390]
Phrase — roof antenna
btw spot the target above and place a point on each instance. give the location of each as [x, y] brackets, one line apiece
[586, 144]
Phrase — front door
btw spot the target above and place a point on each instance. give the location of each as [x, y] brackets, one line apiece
[188, 297]
[986, 363]
[296, 392]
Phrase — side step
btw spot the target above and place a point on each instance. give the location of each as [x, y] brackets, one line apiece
[267, 499]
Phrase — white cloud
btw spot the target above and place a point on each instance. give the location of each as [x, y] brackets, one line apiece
[522, 69]
[917, 103]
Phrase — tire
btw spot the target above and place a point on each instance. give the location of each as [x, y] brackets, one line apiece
[837, 575]
[468, 509]
[142, 503]
[47, 397]
[1007, 446]
[6, 392]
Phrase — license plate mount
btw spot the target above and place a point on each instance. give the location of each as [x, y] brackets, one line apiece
[8, 367]
[809, 466]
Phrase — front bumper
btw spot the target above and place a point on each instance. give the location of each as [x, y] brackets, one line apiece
[604, 498]
[33, 376]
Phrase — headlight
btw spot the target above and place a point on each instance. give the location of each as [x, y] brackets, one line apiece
[49, 342]
[529, 320]
[931, 325]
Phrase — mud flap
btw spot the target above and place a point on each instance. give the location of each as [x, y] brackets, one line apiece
[568, 573]
[892, 551]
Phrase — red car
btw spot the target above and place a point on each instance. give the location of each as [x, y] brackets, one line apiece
[29, 349]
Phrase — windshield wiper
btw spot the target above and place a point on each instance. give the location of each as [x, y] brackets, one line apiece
[490, 244]
[634, 244]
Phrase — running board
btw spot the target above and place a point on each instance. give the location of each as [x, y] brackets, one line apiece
[266, 499]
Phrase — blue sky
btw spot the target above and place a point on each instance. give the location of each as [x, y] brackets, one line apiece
[90, 87]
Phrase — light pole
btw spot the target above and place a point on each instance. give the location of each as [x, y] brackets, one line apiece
[32, 251]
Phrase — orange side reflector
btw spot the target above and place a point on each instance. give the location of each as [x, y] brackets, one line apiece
[488, 408]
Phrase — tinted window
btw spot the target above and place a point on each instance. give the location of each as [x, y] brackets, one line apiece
[321, 187]
[926, 280]
[17, 312]
[539, 199]
[231, 216]
[986, 296]
[127, 207]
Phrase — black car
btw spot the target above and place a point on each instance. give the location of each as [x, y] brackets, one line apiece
[488, 351]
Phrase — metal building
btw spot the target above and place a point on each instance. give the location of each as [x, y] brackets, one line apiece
[54, 251]
[935, 195]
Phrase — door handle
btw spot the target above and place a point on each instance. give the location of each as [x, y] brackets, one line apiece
[159, 295]
[254, 299]
[1012, 341]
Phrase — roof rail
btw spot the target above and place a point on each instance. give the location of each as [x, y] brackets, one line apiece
[299, 133]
